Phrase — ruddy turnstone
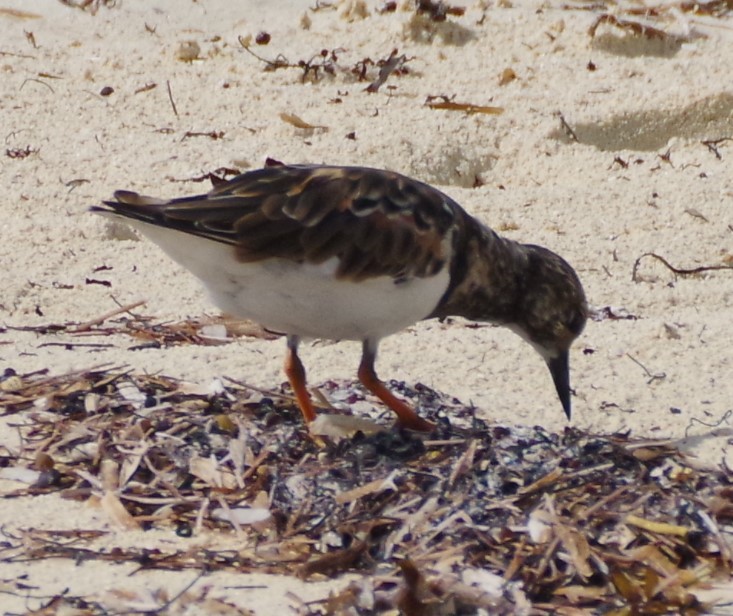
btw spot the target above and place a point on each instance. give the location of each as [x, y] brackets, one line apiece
[357, 254]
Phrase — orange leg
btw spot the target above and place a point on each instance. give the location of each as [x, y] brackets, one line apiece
[406, 415]
[295, 372]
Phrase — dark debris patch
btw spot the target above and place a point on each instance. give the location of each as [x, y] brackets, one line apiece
[474, 516]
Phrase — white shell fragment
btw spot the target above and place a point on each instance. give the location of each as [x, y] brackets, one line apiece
[342, 426]
[22, 475]
[243, 516]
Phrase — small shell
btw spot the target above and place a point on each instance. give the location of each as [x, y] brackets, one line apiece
[188, 51]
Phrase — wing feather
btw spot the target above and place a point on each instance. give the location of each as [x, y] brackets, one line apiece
[375, 222]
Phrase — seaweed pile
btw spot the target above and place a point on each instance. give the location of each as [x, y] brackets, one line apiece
[471, 517]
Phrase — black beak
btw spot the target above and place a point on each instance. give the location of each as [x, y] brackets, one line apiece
[560, 371]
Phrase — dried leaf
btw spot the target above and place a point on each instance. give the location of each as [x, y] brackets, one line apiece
[469, 108]
[116, 512]
[657, 527]
[291, 118]
[333, 563]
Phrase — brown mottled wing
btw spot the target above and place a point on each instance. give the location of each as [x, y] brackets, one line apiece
[376, 222]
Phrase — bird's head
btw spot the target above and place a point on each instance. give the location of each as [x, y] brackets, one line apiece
[552, 313]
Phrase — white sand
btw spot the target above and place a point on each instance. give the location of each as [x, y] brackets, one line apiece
[645, 98]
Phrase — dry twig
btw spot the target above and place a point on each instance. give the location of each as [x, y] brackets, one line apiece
[676, 270]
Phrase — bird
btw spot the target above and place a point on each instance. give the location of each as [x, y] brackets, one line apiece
[357, 253]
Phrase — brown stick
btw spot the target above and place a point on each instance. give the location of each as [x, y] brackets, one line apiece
[82, 327]
[170, 97]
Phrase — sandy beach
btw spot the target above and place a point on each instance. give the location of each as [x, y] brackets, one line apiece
[612, 148]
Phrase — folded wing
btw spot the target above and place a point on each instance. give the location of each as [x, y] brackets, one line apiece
[375, 222]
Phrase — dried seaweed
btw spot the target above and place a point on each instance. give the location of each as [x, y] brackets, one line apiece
[612, 313]
[712, 145]
[566, 127]
[205, 331]
[20, 152]
[170, 98]
[474, 516]
[146, 88]
[216, 177]
[627, 17]
[437, 11]
[447, 103]
[677, 271]
[715, 8]
[326, 62]
[143, 601]
[298, 122]
[391, 65]
[92, 6]
[634, 27]
[212, 134]
[18, 14]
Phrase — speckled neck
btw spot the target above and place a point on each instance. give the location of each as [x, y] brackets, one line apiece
[488, 276]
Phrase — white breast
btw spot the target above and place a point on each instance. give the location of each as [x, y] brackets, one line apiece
[301, 299]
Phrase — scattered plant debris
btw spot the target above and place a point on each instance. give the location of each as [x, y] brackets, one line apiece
[612, 313]
[216, 177]
[626, 17]
[271, 65]
[631, 26]
[624, 164]
[508, 519]
[567, 129]
[21, 152]
[714, 8]
[298, 122]
[445, 102]
[147, 332]
[75, 183]
[31, 38]
[170, 98]
[212, 134]
[676, 270]
[653, 376]
[18, 14]
[326, 62]
[386, 68]
[43, 83]
[712, 145]
[92, 6]
[104, 283]
[146, 88]
[320, 5]
[437, 11]
[695, 213]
